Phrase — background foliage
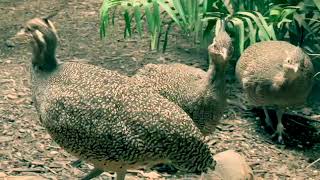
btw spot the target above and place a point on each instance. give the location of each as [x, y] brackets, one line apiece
[249, 21]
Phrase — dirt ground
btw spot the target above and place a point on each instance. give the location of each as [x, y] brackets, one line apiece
[26, 148]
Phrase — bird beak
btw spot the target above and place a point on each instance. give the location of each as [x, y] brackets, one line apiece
[20, 38]
[294, 67]
[224, 53]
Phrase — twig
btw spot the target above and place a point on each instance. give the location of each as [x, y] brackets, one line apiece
[306, 117]
[237, 104]
[37, 170]
[314, 162]
[298, 123]
[265, 171]
[49, 169]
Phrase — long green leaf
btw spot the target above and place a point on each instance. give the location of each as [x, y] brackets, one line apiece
[157, 26]
[252, 31]
[149, 17]
[178, 6]
[127, 23]
[166, 37]
[239, 25]
[317, 3]
[104, 14]
[137, 17]
[171, 13]
[269, 29]
[257, 22]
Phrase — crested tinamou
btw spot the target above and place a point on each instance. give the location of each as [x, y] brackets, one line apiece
[104, 118]
[201, 94]
[275, 73]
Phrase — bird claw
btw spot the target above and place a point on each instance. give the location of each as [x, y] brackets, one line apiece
[280, 132]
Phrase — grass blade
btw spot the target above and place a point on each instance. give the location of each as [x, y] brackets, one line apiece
[257, 22]
[127, 23]
[239, 25]
[252, 30]
[137, 17]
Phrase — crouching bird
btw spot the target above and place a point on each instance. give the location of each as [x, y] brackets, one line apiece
[275, 73]
[105, 118]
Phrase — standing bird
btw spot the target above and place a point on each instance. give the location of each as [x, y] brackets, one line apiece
[104, 118]
[201, 94]
[275, 73]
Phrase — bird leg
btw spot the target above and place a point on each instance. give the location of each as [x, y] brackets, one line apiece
[267, 119]
[121, 175]
[92, 174]
[280, 128]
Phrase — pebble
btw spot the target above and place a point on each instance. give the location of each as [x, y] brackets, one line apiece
[53, 152]
[2, 175]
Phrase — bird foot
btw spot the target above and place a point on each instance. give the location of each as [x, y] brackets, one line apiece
[280, 133]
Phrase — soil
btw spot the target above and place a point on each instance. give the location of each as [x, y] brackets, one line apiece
[27, 150]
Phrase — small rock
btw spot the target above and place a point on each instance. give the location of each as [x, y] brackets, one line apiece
[18, 154]
[54, 152]
[8, 61]
[12, 96]
[37, 163]
[2, 175]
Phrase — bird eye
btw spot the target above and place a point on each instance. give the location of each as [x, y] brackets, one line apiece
[28, 29]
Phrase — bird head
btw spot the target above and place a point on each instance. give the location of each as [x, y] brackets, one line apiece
[42, 35]
[292, 63]
[221, 49]
[40, 32]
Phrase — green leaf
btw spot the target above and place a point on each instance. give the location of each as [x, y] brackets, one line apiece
[149, 18]
[252, 30]
[137, 17]
[275, 12]
[171, 13]
[317, 3]
[127, 23]
[104, 14]
[178, 6]
[269, 29]
[257, 22]
[166, 37]
[239, 25]
[156, 15]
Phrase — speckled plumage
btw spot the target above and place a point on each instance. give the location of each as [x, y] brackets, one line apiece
[106, 119]
[263, 76]
[275, 73]
[201, 94]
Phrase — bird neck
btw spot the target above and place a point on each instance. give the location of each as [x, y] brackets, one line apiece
[216, 76]
[44, 58]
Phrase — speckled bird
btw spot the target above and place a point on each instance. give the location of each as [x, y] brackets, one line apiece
[275, 73]
[104, 118]
[199, 93]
